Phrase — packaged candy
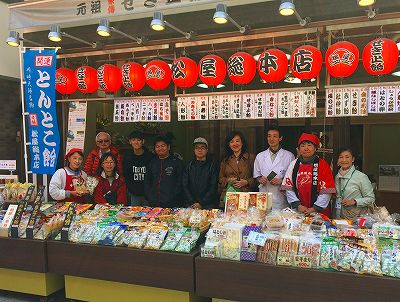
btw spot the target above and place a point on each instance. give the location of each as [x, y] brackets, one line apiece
[372, 263]
[269, 252]
[155, 238]
[172, 240]
[351, 257]
[391, 260]
[274, 221]
[329, 253]
[188, 241]
[288, 247]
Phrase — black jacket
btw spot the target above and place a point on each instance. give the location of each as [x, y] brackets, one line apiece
[163, 182]
[134, 168]
[200, 183]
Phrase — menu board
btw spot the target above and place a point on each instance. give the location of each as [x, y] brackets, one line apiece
[155, 109]
[297, 104]
[192, 108]
[349, 101]
[384, 99]
[247, 105]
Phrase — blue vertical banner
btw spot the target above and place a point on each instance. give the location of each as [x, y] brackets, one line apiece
[40, 100]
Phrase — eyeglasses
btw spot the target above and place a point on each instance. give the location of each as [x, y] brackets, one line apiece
[200, 148]
[100, 141]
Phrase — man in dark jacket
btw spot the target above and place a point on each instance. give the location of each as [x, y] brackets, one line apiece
[163, 182]
[134, 166]
[200, 178]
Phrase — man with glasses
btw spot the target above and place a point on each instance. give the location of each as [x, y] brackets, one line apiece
[103, 142]
[200, 178]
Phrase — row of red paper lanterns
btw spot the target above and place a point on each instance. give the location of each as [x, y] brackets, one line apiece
[379, 57]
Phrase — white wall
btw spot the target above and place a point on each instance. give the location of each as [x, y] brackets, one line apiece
[9, 58]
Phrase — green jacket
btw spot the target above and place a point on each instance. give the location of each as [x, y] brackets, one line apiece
[359, 187]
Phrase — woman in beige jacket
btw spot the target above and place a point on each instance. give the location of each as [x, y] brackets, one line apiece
[237, 166]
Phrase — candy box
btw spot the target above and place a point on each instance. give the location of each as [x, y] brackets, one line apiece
[268, 252]
[248, 251]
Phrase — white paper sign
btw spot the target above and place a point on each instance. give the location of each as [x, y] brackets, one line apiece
[257, 238]
[153, 109]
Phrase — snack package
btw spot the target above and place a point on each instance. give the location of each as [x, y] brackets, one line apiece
[329, 253]
[138, 238]
[188, 241]
[309, 252]
[387, 230]
[173, 238]
[230, 246]
[156, 238]
[248, 251]
[269, 252]
[372, 263]
[274, 221]
[391, 260]
[288, 247]
[351, 257]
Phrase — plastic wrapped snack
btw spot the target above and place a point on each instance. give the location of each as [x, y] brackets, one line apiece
[288, 247]
[309, 250]
[351, 257]
[372, 263]
[248, 251]
[391, 260]
[188, 241]
[172, 240]
[274, 221]
[269, 252]
[155, 238]
[329, 253]
[231, 243]
[138, 238]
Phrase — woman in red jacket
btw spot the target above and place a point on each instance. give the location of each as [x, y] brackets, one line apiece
[111, 187]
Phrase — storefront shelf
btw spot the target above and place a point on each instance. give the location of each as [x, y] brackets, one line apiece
[247, 281]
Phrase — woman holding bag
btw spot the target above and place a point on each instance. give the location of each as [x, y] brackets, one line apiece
[355, 194]
[236, 170]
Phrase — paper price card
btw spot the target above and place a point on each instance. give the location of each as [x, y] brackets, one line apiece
[202, 108]
[260, 105]
[213, 113]
[346, 102]
[283, 105]
[236, 106]
[391, 99]
[302, 261]
[243, 202]
[330, 103]
[271, 109]
[257, 238]
[182, 108]
[219, 233]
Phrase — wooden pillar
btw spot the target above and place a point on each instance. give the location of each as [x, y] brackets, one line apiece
[341, 136]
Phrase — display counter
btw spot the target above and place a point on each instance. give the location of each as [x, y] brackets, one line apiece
[23, 267]
[105, 273]
[252, 281]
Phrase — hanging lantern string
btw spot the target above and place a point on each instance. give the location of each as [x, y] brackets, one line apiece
[133, 56]
[86, 61]
[273, 42]
[109, 58]
[343, 34]
[212, 47]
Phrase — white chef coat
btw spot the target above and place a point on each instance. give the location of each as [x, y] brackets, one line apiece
[263, 166]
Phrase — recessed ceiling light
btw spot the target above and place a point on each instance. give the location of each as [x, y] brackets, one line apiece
[396, 73]
[292, 80]
[202, 85]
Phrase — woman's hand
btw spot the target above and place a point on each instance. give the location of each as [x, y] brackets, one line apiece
[262, 180]
[302, 209]
[276, 181]
[196, 206]
[309, 211]
[348, 202]
[240, 183]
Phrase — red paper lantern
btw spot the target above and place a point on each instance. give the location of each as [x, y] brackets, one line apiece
[212, 70]
[158, 74]
[87, 79]
[306, 62]
[380, 56]
[241, 68]
[66, 82]
[133, 78]
[184, 72]
[272, 65]
[341, 59]
[109, 77]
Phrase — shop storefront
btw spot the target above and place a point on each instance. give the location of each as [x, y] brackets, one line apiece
[157, 67]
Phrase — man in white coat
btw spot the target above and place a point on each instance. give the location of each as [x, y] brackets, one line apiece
[270, 167]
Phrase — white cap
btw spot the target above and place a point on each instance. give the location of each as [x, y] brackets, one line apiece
[200, 140]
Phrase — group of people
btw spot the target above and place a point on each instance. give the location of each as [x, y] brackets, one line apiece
[305, 183]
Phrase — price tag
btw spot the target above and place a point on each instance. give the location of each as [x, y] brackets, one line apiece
[243, 202]
[257, 238]
[208, 252]
[219, 233]
[302, 261]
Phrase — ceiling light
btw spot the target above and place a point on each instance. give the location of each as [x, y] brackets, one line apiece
[396, 73]
[292, 79]
[366, 2]
[398, 45]
[158, 24]
[221, 16]
[56, 35]
[287, 8]
[14, 39]
[104, 29]
[220, 86]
